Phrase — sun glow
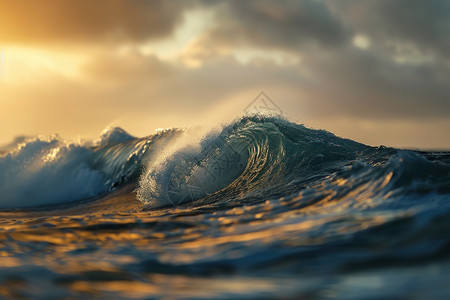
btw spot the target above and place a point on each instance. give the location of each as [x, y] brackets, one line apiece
[23, 64]
[195, 23]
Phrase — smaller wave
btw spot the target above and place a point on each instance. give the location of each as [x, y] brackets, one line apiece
[46, 171]
[113, 135]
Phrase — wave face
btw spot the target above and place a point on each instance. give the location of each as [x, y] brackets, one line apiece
[259, 158]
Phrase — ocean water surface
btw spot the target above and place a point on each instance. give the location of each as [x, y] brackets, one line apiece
[261, 208]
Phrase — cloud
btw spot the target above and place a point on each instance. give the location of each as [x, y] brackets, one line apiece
[426, 24]
[371, 59]
[363, 84]
[130, 66]
[328, 63]
[278, 24]
[85, 21]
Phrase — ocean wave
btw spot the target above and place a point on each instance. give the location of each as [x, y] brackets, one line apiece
[252, 159]
[258, 158]
[46, 171]
[43, 171]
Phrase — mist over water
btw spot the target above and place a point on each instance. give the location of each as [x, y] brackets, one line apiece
[258, 208]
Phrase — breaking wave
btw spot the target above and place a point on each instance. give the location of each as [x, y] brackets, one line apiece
[252, 159]
[258, 158]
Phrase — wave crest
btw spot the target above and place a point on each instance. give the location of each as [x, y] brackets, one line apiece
[254, 157]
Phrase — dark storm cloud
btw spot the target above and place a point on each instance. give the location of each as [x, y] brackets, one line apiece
[406, 70]
[366, 85]
[295, 24]
[402, 72]
[45, 21]
[424, 23]
[279, 23]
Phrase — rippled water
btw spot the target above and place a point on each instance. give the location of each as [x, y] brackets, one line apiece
[261, 209]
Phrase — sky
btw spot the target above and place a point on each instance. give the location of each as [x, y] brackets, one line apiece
[377, 72]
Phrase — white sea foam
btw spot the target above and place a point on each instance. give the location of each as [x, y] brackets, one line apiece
[43, 171]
